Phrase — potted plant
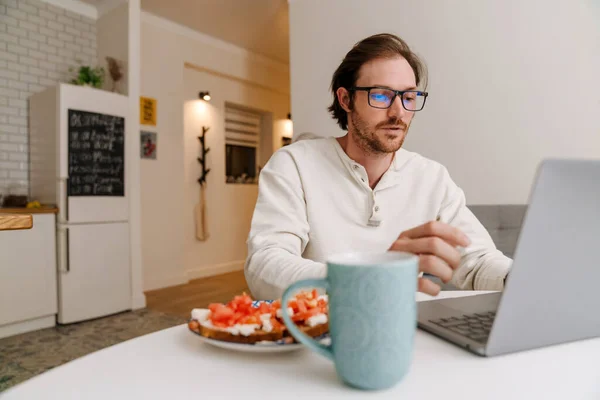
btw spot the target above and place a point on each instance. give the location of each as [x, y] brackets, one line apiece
[88, 76]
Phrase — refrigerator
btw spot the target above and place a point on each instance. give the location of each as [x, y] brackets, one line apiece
[77, 161]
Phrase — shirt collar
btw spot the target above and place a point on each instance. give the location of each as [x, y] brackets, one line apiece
[400, 158]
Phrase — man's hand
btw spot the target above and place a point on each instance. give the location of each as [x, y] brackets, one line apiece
[435, 243]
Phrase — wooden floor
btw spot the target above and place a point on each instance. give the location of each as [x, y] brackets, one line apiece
[199, 293]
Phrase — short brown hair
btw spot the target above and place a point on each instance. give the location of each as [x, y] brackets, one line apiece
[383, 45]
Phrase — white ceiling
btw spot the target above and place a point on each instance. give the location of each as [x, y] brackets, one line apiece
[260, 26]
[257, 25]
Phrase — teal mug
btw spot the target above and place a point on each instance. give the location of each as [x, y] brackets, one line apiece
[372, 316]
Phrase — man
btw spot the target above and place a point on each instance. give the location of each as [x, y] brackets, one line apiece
[363, 192]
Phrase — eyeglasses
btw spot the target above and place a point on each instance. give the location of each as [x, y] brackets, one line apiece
[412, 100]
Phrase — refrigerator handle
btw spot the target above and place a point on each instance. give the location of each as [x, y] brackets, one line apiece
[64, 264]
[68, 257]
[67, 200]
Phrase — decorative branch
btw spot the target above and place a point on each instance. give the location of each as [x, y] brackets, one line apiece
[202, 159]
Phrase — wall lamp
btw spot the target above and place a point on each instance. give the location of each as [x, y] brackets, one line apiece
[204, 96]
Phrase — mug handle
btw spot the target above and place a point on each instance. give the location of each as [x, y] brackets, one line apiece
[297, 333]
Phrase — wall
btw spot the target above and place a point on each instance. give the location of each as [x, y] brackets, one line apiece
[135, 201]
[112, 40]
[118, 36]
[38, 44]
[229, 206]
[511, 82]
[169, 252]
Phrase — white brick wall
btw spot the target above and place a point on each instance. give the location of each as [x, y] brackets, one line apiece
[38, 44]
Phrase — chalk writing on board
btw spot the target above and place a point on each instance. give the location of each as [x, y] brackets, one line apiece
[96, 154]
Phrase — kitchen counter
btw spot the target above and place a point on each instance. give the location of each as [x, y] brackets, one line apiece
[24, 210]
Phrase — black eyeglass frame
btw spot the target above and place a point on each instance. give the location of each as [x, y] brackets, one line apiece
[396, 93]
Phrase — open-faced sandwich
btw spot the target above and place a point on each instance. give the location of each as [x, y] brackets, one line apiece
[242, 320]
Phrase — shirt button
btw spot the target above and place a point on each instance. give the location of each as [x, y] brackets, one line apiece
[355, 166]
[376, 208]
[362, 179]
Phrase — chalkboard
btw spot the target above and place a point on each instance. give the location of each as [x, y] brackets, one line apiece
[96, 154]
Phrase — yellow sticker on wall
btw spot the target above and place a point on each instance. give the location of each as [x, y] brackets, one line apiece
[147, 111]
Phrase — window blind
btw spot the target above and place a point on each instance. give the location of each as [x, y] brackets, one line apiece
[242, 127]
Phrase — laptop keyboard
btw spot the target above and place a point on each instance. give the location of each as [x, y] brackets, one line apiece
[474, 326]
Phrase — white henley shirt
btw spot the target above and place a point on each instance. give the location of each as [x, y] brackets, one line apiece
[314, 202]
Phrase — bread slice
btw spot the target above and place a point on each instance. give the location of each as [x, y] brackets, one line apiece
[312, 331]
[315, 331]
[258, 335]
[219, 334]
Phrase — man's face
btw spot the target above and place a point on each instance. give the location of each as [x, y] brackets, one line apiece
[375, 130]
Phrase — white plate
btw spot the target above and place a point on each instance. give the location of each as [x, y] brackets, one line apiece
[272, 347]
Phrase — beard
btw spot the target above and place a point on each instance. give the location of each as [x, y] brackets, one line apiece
[371, 143]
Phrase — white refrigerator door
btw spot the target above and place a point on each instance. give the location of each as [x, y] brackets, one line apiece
[93, 180]
[94, 271]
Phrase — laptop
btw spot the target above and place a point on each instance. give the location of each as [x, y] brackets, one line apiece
[551, 295]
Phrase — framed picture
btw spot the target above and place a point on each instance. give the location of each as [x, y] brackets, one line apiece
[147, 111]
[148, 145]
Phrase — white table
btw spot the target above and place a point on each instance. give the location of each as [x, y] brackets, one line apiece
[174, 364]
